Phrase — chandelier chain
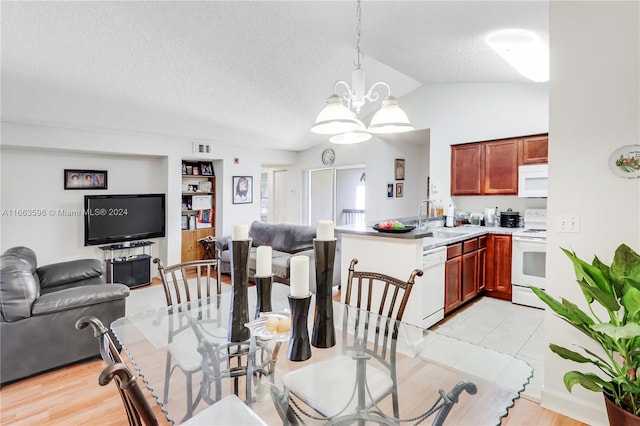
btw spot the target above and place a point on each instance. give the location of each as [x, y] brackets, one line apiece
[359, 54]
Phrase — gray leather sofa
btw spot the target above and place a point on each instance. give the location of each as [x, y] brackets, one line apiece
[286, 240]
[39, 307]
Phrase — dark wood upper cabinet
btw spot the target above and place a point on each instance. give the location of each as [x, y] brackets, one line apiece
[535, 150]
[501, 167]
[466, 170]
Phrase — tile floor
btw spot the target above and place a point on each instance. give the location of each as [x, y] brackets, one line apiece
[504, 327]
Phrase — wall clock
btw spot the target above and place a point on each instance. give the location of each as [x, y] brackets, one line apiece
[328, 157]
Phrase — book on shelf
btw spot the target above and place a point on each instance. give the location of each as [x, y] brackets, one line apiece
[205, 217]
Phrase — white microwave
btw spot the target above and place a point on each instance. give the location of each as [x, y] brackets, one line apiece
[533, 180]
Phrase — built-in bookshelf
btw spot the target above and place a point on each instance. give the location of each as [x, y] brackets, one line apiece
[198, 217]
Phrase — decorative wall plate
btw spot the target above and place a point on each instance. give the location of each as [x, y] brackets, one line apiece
[625, 162]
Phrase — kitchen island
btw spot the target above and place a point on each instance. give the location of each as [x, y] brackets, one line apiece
[398, 253]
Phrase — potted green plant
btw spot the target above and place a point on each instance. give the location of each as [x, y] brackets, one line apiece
[615, 326]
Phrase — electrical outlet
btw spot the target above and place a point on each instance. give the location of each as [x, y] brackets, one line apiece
[435, 187]
[569, 222]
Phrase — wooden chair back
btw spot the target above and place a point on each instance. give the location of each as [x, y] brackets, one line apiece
[379, 293]
[175, 280]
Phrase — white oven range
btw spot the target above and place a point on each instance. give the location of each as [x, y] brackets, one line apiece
[529, 253]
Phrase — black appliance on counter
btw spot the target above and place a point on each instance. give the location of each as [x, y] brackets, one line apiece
[509, 219]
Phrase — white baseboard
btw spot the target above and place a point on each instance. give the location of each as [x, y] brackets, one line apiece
[568, 405]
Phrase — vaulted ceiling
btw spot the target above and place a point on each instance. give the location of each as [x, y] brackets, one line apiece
[251, 73]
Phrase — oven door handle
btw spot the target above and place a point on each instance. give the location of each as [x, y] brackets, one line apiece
[530, 240]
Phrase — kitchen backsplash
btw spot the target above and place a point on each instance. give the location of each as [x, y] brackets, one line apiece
[503, 202]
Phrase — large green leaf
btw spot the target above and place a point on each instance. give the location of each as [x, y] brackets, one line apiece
[564, 309]
[608, 300]
[626, 331]
[626, 263]
[589, 381]
[631, 303]
[590, 273]
[570, 355]
[628, 282]
[575, 311]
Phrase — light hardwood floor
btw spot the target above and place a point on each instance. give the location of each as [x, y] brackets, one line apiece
[72, 396]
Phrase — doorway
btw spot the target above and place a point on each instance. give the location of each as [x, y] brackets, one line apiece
[337, 194]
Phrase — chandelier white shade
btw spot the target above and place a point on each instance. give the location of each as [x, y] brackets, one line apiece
[341, 120]
[390, 118]
[335, 118]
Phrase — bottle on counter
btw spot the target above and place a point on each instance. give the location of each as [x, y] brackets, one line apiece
[439, 209]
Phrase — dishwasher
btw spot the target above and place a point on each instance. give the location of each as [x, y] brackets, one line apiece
[432, 288]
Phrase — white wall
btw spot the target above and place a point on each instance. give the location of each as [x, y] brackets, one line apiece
[594, 109]
[34, 156]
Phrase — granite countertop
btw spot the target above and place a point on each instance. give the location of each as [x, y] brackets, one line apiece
[431, 237]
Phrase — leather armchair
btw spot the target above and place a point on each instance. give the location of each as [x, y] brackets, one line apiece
[39, 307]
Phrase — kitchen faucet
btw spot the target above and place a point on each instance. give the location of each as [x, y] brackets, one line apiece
[422, 203]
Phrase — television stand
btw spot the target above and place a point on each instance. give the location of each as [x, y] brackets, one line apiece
[126, 265]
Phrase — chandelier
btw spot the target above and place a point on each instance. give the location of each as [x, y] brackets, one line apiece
[342, 121]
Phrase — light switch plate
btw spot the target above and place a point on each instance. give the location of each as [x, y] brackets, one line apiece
[568, 222]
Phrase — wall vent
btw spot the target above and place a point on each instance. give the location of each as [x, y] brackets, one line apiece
[201, 148]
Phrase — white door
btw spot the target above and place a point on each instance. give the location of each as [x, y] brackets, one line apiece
[331, 191]
[321, 195]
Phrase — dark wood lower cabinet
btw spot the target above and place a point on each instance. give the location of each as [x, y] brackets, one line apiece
[453, 277]
[498, 278]
[469, 274]
[464, 272]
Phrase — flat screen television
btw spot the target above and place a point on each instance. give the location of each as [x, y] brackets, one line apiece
[112, 219]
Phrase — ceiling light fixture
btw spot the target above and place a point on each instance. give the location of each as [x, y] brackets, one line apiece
[524, 51]
[342, 121]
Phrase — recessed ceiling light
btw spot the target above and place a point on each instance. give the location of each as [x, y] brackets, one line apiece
[523, 50]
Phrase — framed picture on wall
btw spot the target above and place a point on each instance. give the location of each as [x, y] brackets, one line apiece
[399, 168]
[242, 189]
[85, 179]
[399, 189]
[389, 190]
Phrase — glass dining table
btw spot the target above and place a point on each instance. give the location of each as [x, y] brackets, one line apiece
[433, 377]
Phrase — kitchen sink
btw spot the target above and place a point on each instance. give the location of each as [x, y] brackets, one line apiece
[445, 234]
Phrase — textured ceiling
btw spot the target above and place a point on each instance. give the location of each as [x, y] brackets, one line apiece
[247, 73]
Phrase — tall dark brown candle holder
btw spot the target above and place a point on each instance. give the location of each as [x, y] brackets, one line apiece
[299, 347]
[239, 311]
[324, 333]
[263, 289]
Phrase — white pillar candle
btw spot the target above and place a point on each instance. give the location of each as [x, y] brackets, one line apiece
[240, 232]
[263, 261]
[324, 231]
[299, 283]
